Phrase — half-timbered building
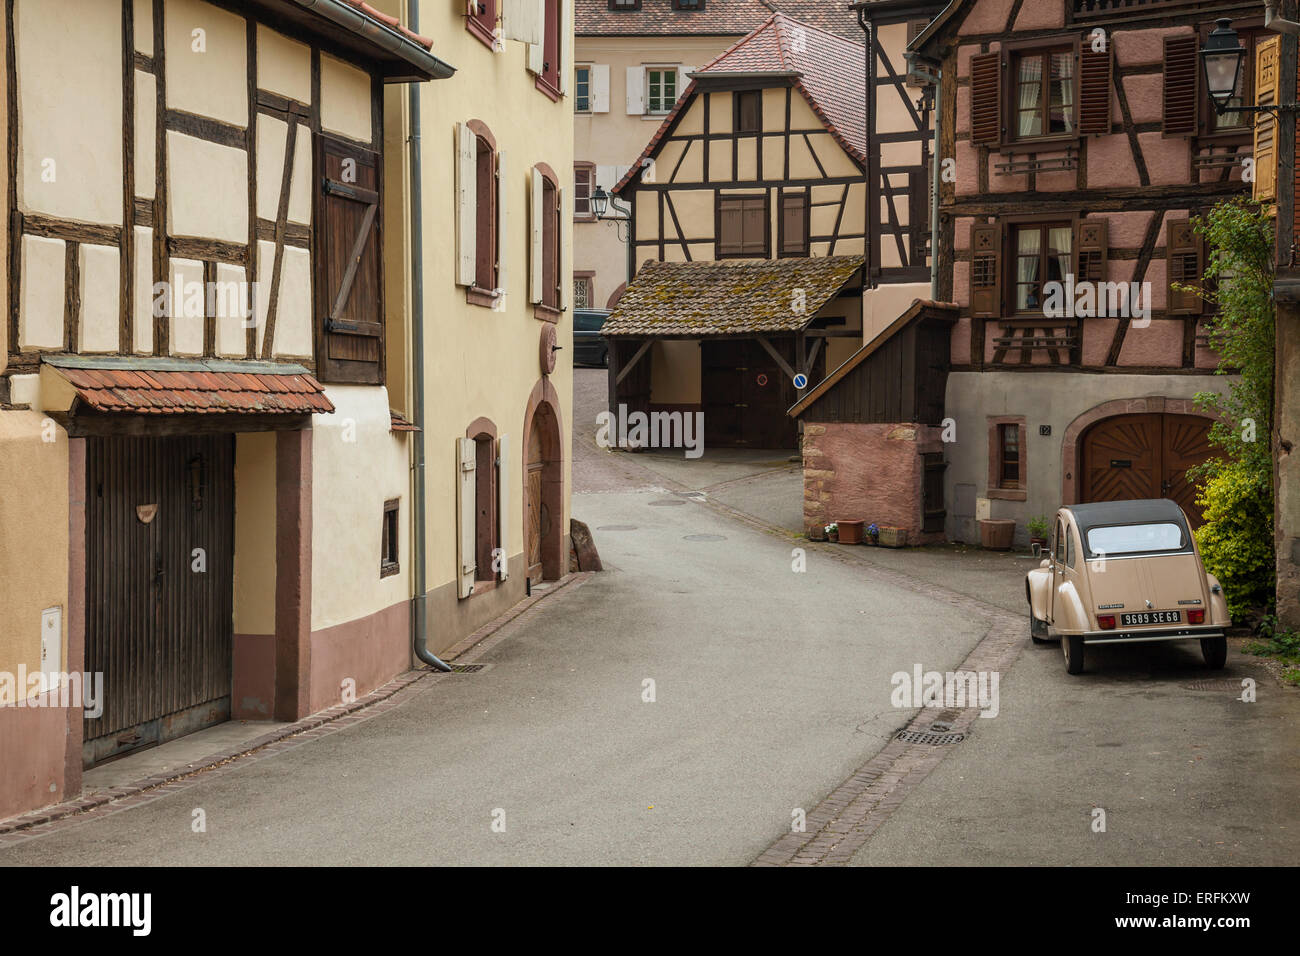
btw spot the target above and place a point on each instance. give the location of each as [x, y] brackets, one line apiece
[1080, 144]
[759, 163]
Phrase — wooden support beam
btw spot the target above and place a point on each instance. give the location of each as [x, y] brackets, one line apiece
[776, 356]
[636, 357]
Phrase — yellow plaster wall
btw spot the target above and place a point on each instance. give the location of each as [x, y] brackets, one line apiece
[255, 523]
[207, 60]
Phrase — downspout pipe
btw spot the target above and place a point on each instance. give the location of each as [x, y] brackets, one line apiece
[419, 602]
[869, 96]
[935, 180]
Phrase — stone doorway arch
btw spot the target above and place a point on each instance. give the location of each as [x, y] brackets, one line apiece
[543, 485]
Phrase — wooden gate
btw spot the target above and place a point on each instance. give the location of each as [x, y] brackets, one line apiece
[745, 394]
[1144, 456]
[159, 587]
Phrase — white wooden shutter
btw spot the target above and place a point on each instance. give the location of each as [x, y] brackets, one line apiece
[566, 48]
[503, 220]
[636, 91]
[466, 197]
[523, 19]
[503, 505]
[599, 86]
[536, 58]
[562, 293]
[535, 221]
[465, 515]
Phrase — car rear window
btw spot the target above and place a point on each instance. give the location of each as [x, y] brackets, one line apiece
[1136, 538]
[587, 323]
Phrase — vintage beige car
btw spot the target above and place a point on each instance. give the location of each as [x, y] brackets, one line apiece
[1125, 572]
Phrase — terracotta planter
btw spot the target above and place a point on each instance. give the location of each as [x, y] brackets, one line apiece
[833, 537]
[851, 531]
[997, 534]
[893, 537]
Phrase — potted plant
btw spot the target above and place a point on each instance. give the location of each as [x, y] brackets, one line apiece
[833, 533]
[873, 535]
[1038, 528]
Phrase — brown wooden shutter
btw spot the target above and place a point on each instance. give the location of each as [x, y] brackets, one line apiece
[794, 224]
[914, 30]
[1091, 250]
[729, 227]
[986, 270]
[349, 278]
[550, 246]
[1267, 53]
[1180, 85]
[1094, 91]
[1185, 259]
[986, 99]
[753, 226]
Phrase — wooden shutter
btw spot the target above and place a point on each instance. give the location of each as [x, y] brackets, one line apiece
[1094, 90]
[1183, 255]
[729, 227]
[503, 222]
[349, 283]
[1180, 85]
[986, 270]
[466, 479]
[635, 90]
[753, 227]
[914, 30]
[1267, 53]
[536, 269]
[565, 54]
[562, 288]
[794, 224]
[503, 505]
[523, 20]
[599, 88]
[1091, 250]
[986, 99]
[466, 212]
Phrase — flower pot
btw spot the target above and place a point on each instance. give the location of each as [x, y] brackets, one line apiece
[893, 537]
[851, 531]
[997, 534]
[833, 537]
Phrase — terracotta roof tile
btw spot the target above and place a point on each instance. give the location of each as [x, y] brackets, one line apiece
[188, 387]
[389, 21]
[718, 18]
[727, 296]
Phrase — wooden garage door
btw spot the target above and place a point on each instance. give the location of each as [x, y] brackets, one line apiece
[1144, 456]
[159, 587]
[745, 394]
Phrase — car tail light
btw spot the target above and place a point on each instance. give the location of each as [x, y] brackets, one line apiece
[1106, 622]
[1196, 617]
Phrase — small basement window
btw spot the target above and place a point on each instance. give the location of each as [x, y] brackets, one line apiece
[388, 563]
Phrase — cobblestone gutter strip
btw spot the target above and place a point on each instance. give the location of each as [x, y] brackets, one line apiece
[332, 720]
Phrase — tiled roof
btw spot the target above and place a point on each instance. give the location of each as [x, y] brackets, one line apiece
[718, 18]
[398, 423]
[174, 387]
[832, 79]
[728, 296]
[389, 21]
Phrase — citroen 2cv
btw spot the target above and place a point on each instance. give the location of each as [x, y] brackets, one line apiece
[1125, 572]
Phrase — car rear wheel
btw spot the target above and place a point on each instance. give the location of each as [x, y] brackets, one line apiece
[1038, 630]
[1215, 652]
[1072, 647]
[604, 359]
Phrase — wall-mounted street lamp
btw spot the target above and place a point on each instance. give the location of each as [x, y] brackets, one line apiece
[600, 203]
[1221, 62]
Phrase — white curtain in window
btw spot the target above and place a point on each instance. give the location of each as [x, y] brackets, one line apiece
[1062, 66]
[1059, 247]
[1028, 246]
[1031, 85]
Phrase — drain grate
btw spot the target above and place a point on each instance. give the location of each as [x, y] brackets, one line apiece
[925, 737]
[1215, 683]
[704, 537]
[671, 502]
[468, 668]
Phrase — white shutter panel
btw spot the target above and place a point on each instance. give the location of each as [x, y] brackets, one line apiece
[635, 91]
[536, 58]
[465, 482]
[466, 193]
[562, 294]
[566, 50]
[503, 505]
[523, 20]
[600, 88]
[535, 221]
[503, 223]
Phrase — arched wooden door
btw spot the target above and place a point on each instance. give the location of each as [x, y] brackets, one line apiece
[543, 538]
[1144, 456]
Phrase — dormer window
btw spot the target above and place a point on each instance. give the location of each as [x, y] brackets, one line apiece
[688, 5]
[625, 4]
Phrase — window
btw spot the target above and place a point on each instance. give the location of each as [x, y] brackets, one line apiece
[691, 5]
[480, 211]
[794, 224]
[1043, 93]
[743, 227]
[485, 201]
[485, 522]
[481, 20]
[1233, 121]
[583, 295]
[1069, 549]
[625, 4]
[388, 549]
[545, 273]
[749, 111]
[1009, 455]
[584, 185]
[1060, 543]
[1136, 538]
[661, 89]
[549, 77]
[1043, 253]
[582, 89]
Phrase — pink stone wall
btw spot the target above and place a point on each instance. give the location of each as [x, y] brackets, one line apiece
[990, 16]
[1160, 343]
[1110, 163]
[1133, 47]
[1041, 16]
[1168, 160]
[32, 756]
[370, 651]
[1146, 95]
[871, 473]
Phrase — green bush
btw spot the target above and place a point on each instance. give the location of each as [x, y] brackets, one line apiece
[1236, 540]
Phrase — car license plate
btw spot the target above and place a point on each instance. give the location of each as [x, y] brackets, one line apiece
[1139, 618]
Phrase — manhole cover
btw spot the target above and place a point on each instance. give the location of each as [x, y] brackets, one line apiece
[704, 537]
[468, 668]
[617, 527]
[666, 504]
[924, 737]
[1215, 683]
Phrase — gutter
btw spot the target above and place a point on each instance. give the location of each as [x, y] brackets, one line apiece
[352, 19]
[936, 164]
[869, 95]
[419, 583]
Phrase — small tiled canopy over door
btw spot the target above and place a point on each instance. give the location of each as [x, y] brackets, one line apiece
[349, 280]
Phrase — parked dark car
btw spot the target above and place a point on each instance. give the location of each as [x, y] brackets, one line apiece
[588, 347]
